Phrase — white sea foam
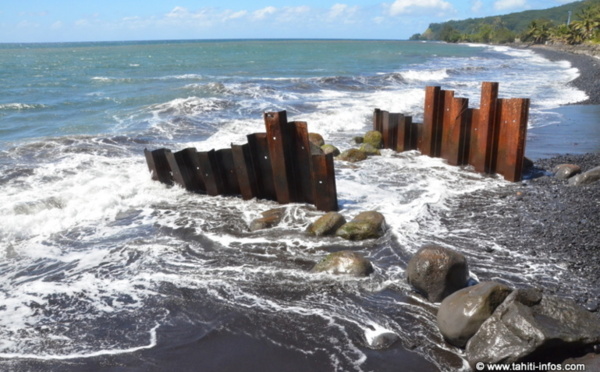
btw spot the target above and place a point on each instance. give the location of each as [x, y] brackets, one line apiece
[437, 76]
[20, 106]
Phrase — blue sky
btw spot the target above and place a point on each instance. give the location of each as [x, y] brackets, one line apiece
[104, 20]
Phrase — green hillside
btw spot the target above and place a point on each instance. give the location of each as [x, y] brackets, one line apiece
[506, 28]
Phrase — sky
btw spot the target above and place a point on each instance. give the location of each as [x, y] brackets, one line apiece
[108, 20]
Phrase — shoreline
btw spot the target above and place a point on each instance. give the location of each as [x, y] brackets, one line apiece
[585, 59]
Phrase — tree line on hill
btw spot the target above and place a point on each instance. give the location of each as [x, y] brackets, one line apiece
[573, 23]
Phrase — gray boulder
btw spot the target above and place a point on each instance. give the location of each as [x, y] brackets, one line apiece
[381, 340]
[586, 178]
[358, 140]
[269, 219]
[352, 155]
[533, 326]
[330, 149]
[369, 149]
[461, 314]
[344, 263]
[566, 171]
[366, 225]
[316, 138]
[374, 138]
[436, 272]
[326, 224]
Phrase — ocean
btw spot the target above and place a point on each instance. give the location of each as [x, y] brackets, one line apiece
[102, 269]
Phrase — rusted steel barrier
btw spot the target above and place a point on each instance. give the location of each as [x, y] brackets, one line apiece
[276, 165]
[491, 138]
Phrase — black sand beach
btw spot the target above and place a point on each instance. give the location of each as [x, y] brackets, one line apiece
[546, 215]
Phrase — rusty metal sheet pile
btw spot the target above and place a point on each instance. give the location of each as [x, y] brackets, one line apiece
[490, 138]
[276, 165]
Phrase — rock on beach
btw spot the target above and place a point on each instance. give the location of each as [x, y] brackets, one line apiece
[436, 272]
[531, 326]
[344, 263]
[366, 225]
[461, 314]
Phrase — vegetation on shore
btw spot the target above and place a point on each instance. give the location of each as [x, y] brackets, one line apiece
[573, 23]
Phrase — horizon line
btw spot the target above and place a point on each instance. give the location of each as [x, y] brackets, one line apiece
[192, 40]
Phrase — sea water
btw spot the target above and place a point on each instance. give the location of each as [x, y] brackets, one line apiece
[101, 267]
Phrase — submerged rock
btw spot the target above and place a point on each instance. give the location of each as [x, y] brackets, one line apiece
[373, 138]
[315, 150]
[344, 263]
[591, 176]
[566, 171]
[436, 272]
[327, 224]
[330, 149]
[378, 340]
[532, 326]
[366, 225]
[269, 219]
[316, 138]
[369, 149]
[358, 140]
[352, 155]
[461, 314]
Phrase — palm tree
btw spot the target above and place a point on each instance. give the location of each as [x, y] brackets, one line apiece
[588, 23]
[538, 31]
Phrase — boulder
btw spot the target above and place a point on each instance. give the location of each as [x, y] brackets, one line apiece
[566, 171]
[269, 218]
[379, 339]
[436, 272]
[344, 263]
[374, 138]
[586, 178]
[531, 326]
[352, 155]
[316, 138]
[461, 314]
[330, 149]
[315, 150]
[369, 149]
[358, 140]
[326, 224]
[366, 225]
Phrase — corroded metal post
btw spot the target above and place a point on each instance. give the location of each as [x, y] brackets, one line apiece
[324, 181]
[510, 138]
[158, 165]
[227, 173]
[432, 120]
[188, 169]
[210, 172]
[261, 159]
[302, 163]
[483, 125]
[244, 170]
[454, 129]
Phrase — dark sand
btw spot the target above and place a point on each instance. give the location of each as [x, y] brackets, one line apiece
[544, 215]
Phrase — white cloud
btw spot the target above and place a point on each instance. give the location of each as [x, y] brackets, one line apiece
[57, 25]
[342, 11]
[234, 15]
[477, 5]
[178, 12]
[415, 6]
[264, 12]
[510, 4]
